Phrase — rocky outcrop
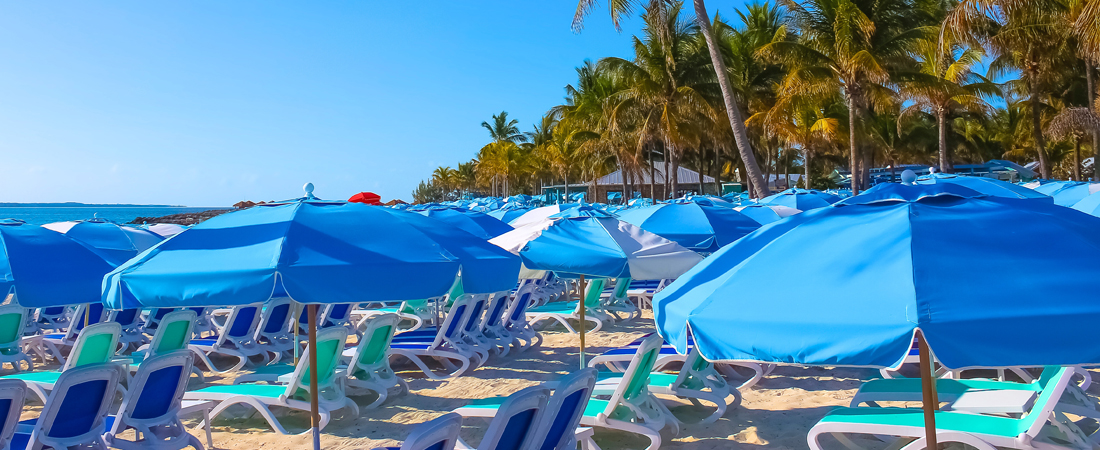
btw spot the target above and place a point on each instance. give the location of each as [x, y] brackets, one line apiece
[181, 219]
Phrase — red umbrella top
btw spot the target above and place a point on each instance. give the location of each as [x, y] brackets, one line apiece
[369, 198]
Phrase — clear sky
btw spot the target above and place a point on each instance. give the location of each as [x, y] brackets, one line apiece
[205, 103]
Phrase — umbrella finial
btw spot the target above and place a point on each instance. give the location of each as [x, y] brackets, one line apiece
[908, 177]
[309, 190]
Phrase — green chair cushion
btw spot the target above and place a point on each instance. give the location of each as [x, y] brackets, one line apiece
[945, 420]
[254, 390]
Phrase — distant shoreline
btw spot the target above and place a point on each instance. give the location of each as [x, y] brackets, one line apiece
[87, 205]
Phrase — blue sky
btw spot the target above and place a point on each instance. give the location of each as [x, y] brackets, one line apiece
[206, 103]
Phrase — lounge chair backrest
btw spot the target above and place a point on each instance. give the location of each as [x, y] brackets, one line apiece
[86, 314]
[698, 373]
[11, 327]
[1044, 405]
[12, 394]
[154, 318]
[337, 314]
[275, 320]
[96, 344]
[592, 295]
[477, 308]
[76, 410]
[517, 311]
[564, 411]
[456, 292]
[414, 306]
[636, 377]
[371, 353]
[128, 318]
[621, 286]
[173, 333]
[155, 393]
[440, 433]
[517, 420]
[498, 303]
[330, 344]
[240, 326]
[450, 329]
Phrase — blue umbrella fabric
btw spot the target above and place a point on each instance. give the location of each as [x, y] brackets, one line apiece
[508, 213]
[988, 186]
[113, 242]
[1052, 186]
[1070, 194]
[476, 223]
[694, 225]
[46, 268]
[321, 252]
[876, 268]
[801, 199]
[539, 214]
[598, 247]
[765, 214]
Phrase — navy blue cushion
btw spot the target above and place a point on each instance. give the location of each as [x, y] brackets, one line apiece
[77, 414]
[158, 393]
[567, 411]
[516, 430]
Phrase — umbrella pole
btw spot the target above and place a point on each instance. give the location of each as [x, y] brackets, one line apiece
[315, 418]
[582, 307]
[928, 388]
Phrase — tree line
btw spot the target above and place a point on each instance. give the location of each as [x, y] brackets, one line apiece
[809, 87]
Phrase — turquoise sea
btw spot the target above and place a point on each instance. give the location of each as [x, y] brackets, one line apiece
[39, 215]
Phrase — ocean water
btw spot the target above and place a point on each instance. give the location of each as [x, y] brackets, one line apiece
[40, 215]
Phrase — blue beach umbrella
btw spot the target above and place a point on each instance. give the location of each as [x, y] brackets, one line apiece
[539, 214]
[987, 186]
[111, 241]
[695, 225]
[1089, 205]
[1070, 194]
[881, 268]
[507, 213]
[46, 268]
[765, 214]
[801, 199]
[1049, 187]
[473, 222]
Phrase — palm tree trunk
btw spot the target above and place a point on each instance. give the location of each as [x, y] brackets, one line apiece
[1089, 69]
[674, 180]
[1077, 158]
[652, 177]
[806, 162]
[567, 185]
[664, 156]
[737, 122]
[941, 122]
[1037, 128]
[717, 169]
[853, 153]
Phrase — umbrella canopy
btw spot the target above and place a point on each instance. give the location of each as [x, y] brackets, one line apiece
[111, 241]
[698, 226]
[1089, 205]
[473, 222]
[598, 247]
[1070, 194]
[539, 214]
[987, 186]
[801, 199]
[46, 268]
[877, 268]
[165, 230]
[508, 213]
[369, 198]
[321, 252]
[765, 214]
[1049, 187]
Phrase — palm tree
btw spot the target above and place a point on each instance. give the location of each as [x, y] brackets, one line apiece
[1028, 36]
[1076, 123]
[565, 149]
[945, 84]
[736, 119]
[444, 179]
[661, 98]
[504, 130]
[805, 123]
[848, 46]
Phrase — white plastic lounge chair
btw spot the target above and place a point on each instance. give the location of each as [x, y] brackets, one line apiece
[368, 367]
[86, 314]
[174, 333]
[440, 433]
[446, 346]
[642, 291]
[130, 320]
[236, 339]
[494, 333]
[152, 404]
[617, 359]
[697, 380]
[416, 311]
[631, 407]
[984, 432]
[563, 312]
[53, 318]
[152, 319]
[515, 422]
[524, 336]
[95, 345]
[293, 390]
[12, 341]
[75, 413]
[274, 332]
[617, 301]
[12, 395]
[557, 427]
